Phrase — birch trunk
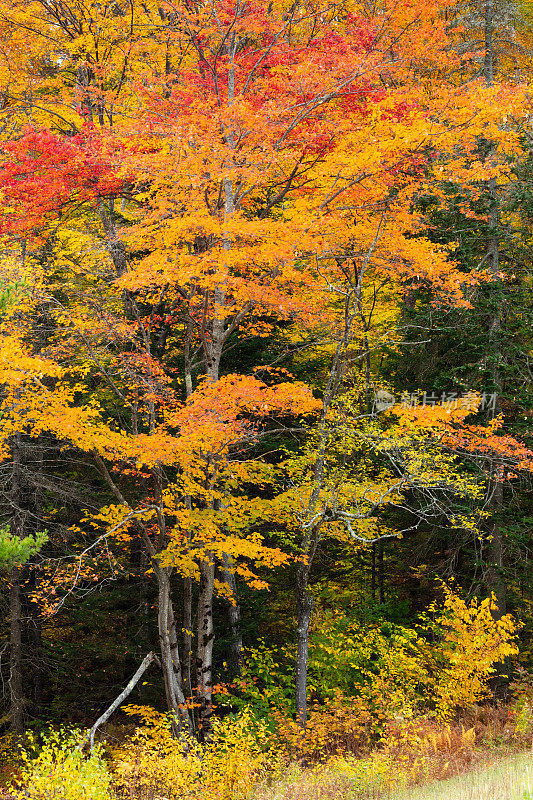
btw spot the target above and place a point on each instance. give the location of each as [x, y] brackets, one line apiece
[170, 657]
[187, 636]
[234, 615]
[204, 651]
[213, 344]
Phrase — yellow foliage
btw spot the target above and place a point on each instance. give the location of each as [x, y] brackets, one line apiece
[153, 762]
[441, 666]
[475, 638]
[61, 771]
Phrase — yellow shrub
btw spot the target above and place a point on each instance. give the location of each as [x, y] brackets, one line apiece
[383, 663]
[61, 771]
[397, 688]
[442, 665]
[235, 757]
[473, 639]
[154, 764]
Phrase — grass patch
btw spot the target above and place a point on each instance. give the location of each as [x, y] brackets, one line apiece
[510, 779]
[507, 779]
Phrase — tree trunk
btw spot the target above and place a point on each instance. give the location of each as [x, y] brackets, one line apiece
[15, 672]
[15, 599]
[170, 658]
[494, 577]
[381, 574]
[114, 245]
[213, 345]
[234, 615]
[36, 664]
[488, 61]
[373, 584]
[304, 606]
[132, 683]
[204, 652]
[32, 635]
[187, 635]
[32, 611]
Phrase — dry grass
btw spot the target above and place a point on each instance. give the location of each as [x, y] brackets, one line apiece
[328, 784]
[510, 779]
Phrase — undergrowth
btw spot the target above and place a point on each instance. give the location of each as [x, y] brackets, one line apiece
[245, 760]
[420, 715]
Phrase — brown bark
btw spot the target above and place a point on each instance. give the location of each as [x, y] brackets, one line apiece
[15, 662]
[15, 600]
[304, 605]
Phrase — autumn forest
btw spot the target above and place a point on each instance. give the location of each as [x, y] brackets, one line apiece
[266, 395]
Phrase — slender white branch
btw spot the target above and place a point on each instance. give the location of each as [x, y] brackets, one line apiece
[147, 660]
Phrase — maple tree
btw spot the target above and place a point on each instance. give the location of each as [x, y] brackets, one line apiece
[179, 179]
